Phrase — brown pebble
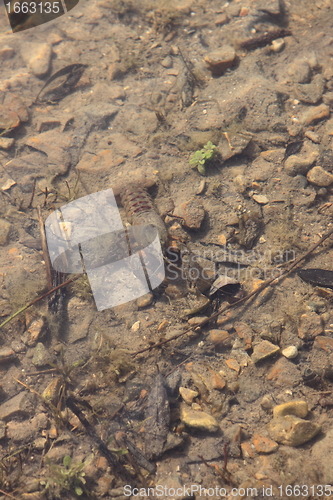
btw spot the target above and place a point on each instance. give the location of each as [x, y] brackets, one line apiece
[222, 19]
[263, 444]
[310, 326]
[192, 213]
[323, 342]
[162, 326]
[217, 336]
[298, 408]
[263, 350]
[216, 381]
[6, 354]
[247, 450]
[8, 118]
[292, 431]
[220, 59]
[315, 114]
[244, 332]
[319, 177]
[233, 364]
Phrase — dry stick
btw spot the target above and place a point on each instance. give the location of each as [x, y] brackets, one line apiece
[32, 193]
[265, 284]
[44, 248]
[8, 495]
[38, 299]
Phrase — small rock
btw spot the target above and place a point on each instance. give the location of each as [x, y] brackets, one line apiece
[188, 395]
[319, 177]
[278, 45]
[298, 408]
[14, 103]
[37, 56]
[55, 145]
[192, 212]
[263, 444]
[241, 184]
[172, 383]
[136, 326]
[244, 332]
[104, 484]
[284, 373]
[6, 142]
[221, 19]
[198, 419]
[263, 350]
[217, 336]
[98, 167]
[234, 145]
[8, 184]
[201, 187]
[273, 155]
[315, 114]
[328, 99]
[310, 92]
[247, 451]
[300, 71]
[220, 60]
[290, 352]
[196, 320]
[310, 326]
[5, 228]
[323, 342]
[267, 402]
[261, 199]
[20, 405]
[310, 134]
[233, 9]
[292, 431]
[145, 300]
[19, 432]
[35, 331]
[41, 356]
[6, 53]
[6, 354]
[233, 365]
[57, 453]
[295, 165]
[167, 62]
[173, 441]
[216, 381]
[8, 118]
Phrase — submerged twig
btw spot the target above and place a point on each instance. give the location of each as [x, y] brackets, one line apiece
[265, 284]
[45, 249]
[24, 308]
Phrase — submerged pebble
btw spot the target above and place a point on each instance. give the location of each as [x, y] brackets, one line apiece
[198, 419]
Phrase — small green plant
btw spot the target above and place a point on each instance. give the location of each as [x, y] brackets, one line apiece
[70, 477]
[200, 157]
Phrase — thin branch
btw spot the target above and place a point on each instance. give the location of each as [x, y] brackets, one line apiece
[45, 249]
[32, 193]
[265, 284]
[24, 308]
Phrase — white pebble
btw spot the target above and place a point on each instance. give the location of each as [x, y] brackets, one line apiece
[290, 352]
[136, 326]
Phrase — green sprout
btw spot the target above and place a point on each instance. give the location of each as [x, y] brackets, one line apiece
[200, 157]
[68, 478]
